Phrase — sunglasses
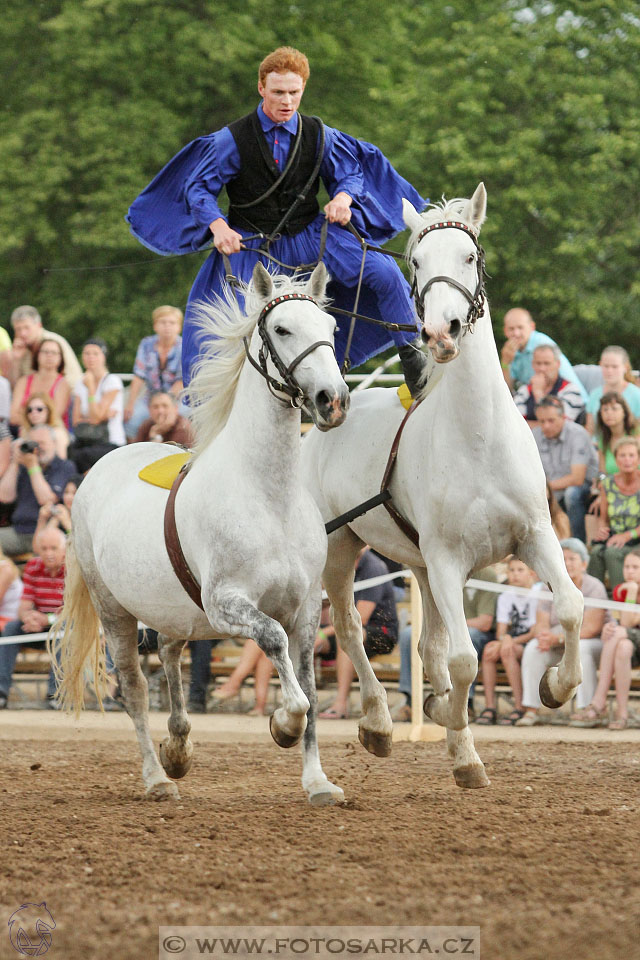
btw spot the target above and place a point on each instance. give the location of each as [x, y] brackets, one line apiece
[35, 409]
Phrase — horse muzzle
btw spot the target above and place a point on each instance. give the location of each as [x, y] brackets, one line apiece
[329, 409]
[443, 346]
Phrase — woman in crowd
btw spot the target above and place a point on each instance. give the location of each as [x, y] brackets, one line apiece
[614, 421]
[616, 378]
[10, 590]
[158, 366]
[48, 378]
[620, 653]
[40, 411]
[59, 514]
[619, 514]
[559, 519]
[97, 408]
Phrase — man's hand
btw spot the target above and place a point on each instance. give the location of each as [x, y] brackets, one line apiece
[338, 209]
[508, 352]
[225, 239]
[620, 539]
[538, 384]
[35, 622]
[547, 640]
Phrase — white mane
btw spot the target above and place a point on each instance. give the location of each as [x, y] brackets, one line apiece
[224, 324]
[445, 210]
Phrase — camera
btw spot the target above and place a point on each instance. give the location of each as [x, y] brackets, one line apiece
[28, 446]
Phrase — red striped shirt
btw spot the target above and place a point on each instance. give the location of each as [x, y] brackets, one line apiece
[45, 590]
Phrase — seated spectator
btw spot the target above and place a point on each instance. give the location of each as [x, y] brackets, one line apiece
[546, 381]
[614, 420]
[517, 352]
[252, 661]
[559, 519]
[158, 366]
[59, 514]
[546, 648]
[5, 398]
[620, 653]
[40, 410]
[47, 378]
[619, 513]
[616, 378]
[377, 609]
[515, 622]
[41, 601]
[10, 590]
[28, 335]
[34, 477]
[569, 460]
[97, 408]
[165, 424]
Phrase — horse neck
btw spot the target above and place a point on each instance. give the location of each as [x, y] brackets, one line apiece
[474, 378]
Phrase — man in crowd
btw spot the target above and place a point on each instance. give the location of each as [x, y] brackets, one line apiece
[34, 477]
[165, 425]
[517, 352]
[547, 381]
[569, 459]
[28, 335]
[41, 601]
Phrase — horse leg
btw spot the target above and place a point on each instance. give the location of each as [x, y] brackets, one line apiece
[319, 789]
[234, 615]
[375, 726]
[177, 750]
[542, 552]
[468, 768]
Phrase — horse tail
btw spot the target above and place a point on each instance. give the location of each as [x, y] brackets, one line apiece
[75, 641]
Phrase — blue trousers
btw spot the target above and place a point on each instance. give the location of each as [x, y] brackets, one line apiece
[9, 653]
[479, 639]
[574, 501]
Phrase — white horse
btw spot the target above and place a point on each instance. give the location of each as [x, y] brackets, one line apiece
[468, 478]
[250, 532]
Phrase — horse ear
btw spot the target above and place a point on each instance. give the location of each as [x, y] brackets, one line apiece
[410, 215]
[262, 282]
[475, 211]
[318, 281]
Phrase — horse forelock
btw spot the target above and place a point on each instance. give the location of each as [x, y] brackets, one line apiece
[445, 210]
[223, 325]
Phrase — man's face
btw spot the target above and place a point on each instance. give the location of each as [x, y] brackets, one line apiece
[518, 326]
[51, 547]
[162, 409]
[46, 446]
[544, 362]
[27, 330]
[550, 421]
[282, 93]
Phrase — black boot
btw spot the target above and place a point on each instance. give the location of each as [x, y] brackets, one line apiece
[414, 366]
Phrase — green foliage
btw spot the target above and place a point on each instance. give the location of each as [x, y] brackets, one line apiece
[538, 100]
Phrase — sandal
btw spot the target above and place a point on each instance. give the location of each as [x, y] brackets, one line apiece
[529, 720]
[590, 717]
[620, 723]
[333, 714]
[487, 718]
[510, 719]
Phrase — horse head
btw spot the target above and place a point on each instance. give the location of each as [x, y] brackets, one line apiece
[298, 347]
[447, 266]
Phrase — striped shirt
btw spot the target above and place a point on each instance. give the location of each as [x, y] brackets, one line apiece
[566, 391]
[43, 589]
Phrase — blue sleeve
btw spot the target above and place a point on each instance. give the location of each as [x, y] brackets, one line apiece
[219, 165]
[340, 168]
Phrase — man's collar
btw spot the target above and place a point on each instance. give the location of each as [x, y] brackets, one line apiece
[268, 124]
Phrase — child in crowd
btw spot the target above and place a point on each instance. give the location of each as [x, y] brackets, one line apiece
[515, 618]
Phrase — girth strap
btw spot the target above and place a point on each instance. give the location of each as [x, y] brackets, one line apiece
[174, 547]
[407, 528]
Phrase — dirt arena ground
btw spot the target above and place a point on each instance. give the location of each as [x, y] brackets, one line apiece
[545, 860]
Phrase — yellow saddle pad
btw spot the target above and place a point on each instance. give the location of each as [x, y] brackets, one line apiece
[405, 396]
[163, 472]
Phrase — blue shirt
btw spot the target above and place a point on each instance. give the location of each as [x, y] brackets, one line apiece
[521, 368]
[631, 394]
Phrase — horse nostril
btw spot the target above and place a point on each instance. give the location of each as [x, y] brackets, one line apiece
[424, 336]
[454, 328]
[323, 400]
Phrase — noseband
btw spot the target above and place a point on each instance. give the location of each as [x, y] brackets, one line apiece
[289, 385]
[476, 300]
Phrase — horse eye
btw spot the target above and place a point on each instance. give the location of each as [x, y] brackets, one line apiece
[281, 332]
[414, 263]
[471, 258]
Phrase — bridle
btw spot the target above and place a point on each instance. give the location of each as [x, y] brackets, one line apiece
[476, 300]
[289, 385]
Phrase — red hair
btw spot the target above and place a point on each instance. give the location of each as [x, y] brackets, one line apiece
[284, 60]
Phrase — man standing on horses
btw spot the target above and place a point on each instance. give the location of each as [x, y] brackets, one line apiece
[271, 162]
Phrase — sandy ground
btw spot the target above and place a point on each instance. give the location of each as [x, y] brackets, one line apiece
[544, 861]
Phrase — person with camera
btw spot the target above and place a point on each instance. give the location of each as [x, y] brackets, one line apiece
[35, 476]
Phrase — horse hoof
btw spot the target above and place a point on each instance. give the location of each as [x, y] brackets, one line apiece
[379, 744]
[175, 767]
[428, 704]
[472, 776]
[281, 737]
[546, 695]
[326, 796]
[163, 791]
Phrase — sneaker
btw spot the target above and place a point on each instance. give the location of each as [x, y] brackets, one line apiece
[52, 704]
[401, 713]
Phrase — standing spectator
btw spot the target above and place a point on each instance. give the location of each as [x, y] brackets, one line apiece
[620, 653]
[517, 352]
[614, 420]
[34, 477]
[10, 590]
[97, 408]
[42, 598]
[158, 366]
[40, 411]
[515, 622]
[547, 381]
[47, 378]
[569, 459]
[28, 335]
[165, 424]
[546, 649]
[616, 378]
[619, 513]
[377, 608]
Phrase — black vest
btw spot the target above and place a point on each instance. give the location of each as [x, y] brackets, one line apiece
[259, 171]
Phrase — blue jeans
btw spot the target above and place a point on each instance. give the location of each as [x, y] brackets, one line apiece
[200, 669]
[479, 639]
[9, 653]
[574, 501]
